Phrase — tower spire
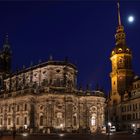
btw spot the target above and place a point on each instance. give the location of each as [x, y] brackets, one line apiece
[6, 44]
[119, 16]
[6, 55]
[120, 34]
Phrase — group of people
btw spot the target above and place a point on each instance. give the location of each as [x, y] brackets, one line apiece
[13, 133]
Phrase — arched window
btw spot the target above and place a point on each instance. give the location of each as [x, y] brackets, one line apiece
[1, 110]
[127, 50]
[17, 108]
[74, 120]
[120, 50]
[25, 107]
[17, 120]
[41, 120]
[93, 120]
[59, 120]
[41, 107]
[9, 108]
[1, 121]
[9, 121]
[25, 120]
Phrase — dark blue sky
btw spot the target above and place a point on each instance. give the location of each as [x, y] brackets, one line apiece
[83, 31]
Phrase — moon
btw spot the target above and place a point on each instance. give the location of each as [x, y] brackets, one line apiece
[131, 19]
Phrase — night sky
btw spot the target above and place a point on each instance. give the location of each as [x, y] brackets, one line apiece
[83, 31]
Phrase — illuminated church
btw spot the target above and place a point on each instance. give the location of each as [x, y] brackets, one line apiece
[45, 98]
[124, 99]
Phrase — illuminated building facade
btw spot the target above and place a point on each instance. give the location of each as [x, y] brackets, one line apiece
[124, 100]
[45, 97]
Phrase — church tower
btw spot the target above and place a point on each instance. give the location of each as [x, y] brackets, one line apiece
[5, 57]
[121, 59]
[5, 60]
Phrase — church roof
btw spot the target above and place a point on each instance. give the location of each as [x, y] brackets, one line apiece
[43, 64]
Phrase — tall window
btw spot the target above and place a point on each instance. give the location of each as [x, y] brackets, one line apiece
[74, 120]
[1, 110]
[25, 120]
[133, 107]
[0, 121]
[9, 108]
[41, 120]
[59, 119]
[136, 115]
[9, 121]
[133, 115]
[136, 105]
[17, 120]
[93, 120]
[25, 107]
[114, 83]
[17, 108]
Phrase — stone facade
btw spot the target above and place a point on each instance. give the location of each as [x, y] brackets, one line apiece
[45, 97]
[66, 111]
[130, 107]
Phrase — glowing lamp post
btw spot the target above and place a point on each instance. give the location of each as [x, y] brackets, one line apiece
[25, 126]
[61, 126]
[133, 125]
[134, 128]
[109, 125]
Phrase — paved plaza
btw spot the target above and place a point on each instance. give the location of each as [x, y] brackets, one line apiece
[73, 137]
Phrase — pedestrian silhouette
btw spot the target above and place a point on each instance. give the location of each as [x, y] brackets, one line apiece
[14, 134]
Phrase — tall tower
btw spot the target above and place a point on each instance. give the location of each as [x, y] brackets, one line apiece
[121, 59]
[5, 56]
[5, 60]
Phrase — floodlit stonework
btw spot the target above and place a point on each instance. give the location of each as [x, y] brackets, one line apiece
[45, 98]
[124, 100]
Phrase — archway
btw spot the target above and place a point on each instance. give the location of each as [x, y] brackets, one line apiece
[93, 119]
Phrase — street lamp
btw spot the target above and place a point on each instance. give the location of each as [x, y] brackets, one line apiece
[134, 128]
[25, 126]
[109, 125]
[108, 114]
[61, 125]
[133, 125]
